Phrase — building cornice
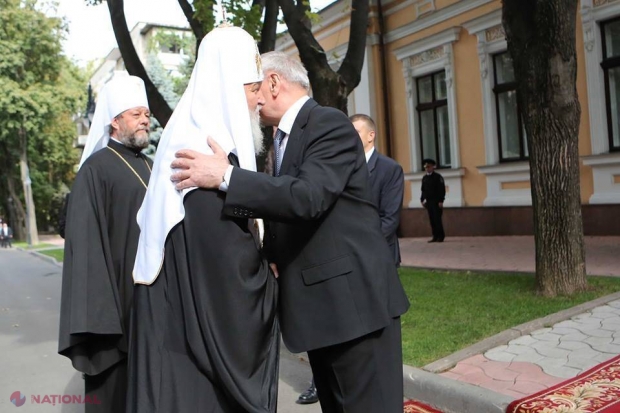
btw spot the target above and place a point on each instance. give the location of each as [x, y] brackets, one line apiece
[439, 39]
[434, 18]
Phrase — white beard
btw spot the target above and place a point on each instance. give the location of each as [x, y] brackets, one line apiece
[257, 133]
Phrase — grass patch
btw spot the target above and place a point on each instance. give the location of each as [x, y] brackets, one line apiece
[24, 244]
[452, 310]
[58, 254]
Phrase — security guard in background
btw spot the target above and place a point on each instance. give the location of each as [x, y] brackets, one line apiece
[433, 195]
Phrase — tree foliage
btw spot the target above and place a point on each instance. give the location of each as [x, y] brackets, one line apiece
[39, 92]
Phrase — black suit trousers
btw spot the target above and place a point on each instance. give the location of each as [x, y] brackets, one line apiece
[434, 214]
[364, 375]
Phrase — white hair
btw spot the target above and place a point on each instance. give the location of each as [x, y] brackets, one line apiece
[286, 66]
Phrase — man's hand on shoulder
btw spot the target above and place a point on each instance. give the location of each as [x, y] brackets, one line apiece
[198, 169]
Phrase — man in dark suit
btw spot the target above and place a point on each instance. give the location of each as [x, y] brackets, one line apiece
[6, 235]
[340, 295]
[386, 182]
[433, 195]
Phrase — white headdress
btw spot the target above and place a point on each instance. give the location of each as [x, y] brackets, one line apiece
[215, 105]
[122, 92]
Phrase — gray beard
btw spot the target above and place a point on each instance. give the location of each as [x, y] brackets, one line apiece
[131, 140]
[257, 132]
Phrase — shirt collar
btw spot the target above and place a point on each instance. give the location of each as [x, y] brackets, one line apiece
[286, 123]
[369, 154]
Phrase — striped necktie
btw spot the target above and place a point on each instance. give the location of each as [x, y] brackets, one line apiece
[277, 147]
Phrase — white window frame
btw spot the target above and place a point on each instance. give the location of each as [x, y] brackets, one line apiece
[491, 41]
[593, 13]
[605, 165]
[424, 57]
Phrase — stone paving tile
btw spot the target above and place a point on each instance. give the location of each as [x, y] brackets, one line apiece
[574, 345]
[499, 371]
[529, 358]
[450, 375]
[528, 387]
[517, 349]
[500, 356]
[475, 360]
[524, 340]
[582, 363]
[597, 332]
[574, 337]
[552, 352]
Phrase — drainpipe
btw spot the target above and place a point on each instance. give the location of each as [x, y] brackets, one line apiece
[384, 83]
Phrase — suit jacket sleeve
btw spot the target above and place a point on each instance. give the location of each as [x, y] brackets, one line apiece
[391, 200]
[330, 152]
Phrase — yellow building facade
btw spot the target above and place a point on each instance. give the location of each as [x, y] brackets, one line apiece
[451, 96]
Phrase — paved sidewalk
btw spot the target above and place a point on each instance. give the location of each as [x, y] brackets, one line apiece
[547, 356]
[502, 254]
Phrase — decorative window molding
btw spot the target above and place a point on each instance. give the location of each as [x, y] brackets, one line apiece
[593, 12]
[605, 169]
[424, 7]
[491, 40]
[454, 187]
[421, 58]
[499, 178]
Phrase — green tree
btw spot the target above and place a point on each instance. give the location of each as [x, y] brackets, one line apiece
[39, 90]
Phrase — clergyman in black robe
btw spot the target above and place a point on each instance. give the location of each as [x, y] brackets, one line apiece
[100, 247]
[205, 336]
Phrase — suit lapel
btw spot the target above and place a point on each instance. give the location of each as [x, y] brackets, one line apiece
[294, 143]
[372, 162]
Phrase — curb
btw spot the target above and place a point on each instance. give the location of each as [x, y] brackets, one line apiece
[451, 396]
[526, 328]
[44, 257]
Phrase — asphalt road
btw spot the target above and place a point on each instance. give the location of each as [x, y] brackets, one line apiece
[29, 363]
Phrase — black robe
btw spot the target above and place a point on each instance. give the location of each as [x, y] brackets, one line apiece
[97, 286]
[205, 336]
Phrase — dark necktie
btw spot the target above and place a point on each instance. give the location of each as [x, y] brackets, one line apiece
[277, 147]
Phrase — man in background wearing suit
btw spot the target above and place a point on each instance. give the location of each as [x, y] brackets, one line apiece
[387, 182]
[6, 235]
[340, 295]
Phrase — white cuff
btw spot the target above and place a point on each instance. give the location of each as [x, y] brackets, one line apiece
[226, 181]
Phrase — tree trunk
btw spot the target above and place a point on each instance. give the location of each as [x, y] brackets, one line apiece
[268, 33]
[17, 214]
[32, 234]
[541, 40]
[157, 104]
[329, 88]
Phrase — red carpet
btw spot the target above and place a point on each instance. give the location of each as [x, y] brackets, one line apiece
[594, 391]
[417, 407]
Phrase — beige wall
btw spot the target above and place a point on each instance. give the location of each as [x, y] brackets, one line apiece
[468, 94]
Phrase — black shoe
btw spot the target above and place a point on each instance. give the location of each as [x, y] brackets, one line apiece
[309, 396]
[439, 240]
[433, 240]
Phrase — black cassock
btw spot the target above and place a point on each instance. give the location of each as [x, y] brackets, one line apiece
[101, 240]
[205, 336]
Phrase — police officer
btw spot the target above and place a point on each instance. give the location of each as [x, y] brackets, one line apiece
[433, 195]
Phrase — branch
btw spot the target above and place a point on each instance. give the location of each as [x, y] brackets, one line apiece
[157, 103]
[310, 51]
[353, 62]
[268, 33]
[188, 10]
